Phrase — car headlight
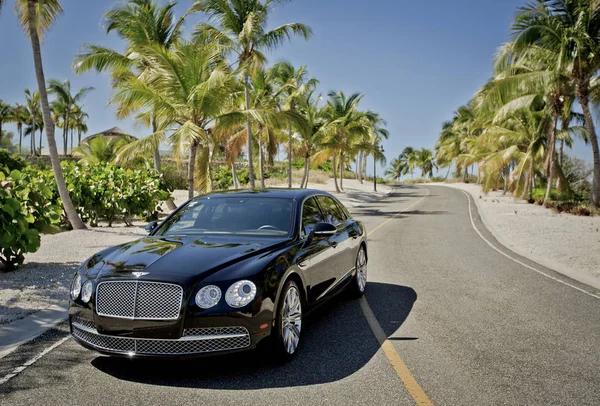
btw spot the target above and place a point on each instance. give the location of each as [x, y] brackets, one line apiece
[208, 296]
[86, 291]
[76, 287]
[240, 293]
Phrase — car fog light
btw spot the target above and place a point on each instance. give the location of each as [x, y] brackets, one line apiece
[240, 293]
[86, 291]
[76, 287]
[208, 296]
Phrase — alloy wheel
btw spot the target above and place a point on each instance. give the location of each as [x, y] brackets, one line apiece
[361, 270]
[291, 320]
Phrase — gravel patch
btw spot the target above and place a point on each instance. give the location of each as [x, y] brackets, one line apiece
[564, 242]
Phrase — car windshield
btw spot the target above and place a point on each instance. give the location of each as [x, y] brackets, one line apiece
[231, 215]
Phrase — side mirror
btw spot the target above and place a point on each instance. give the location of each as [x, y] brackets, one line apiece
[151, 226]
[324, 230]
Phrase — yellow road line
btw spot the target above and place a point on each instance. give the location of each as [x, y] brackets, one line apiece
[409, 381]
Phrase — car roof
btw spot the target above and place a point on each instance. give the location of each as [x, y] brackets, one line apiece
[298, 194]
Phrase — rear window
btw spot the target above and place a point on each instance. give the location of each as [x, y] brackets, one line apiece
[232, 215]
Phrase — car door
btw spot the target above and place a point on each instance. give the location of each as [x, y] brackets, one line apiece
[341, 243]
[316, 254]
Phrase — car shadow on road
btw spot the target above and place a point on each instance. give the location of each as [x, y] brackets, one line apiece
[337, 342]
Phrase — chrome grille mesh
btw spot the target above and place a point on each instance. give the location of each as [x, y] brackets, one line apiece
[139, 300]
[213, 331]
[214, 339]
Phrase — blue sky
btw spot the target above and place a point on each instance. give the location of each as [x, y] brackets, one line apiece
[414, 61]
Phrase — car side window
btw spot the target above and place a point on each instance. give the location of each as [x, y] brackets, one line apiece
[333, 214]
[311, 215]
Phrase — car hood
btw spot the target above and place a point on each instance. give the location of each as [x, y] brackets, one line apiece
[158, 256]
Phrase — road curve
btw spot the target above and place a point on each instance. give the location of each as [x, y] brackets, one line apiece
[471, 325]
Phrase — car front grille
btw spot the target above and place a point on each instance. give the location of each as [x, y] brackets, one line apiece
[212, 339]
[139, 300]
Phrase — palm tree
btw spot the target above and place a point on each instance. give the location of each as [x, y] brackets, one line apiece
[33, 105]
[241, 29]
[79, 124]
[140, 23]
[293, 85]
[184, 90]
[67, 102]
[36, 17]
[100, 150]
[397, 169]
[311, 131]
[19, 117]
[345, 123]
[569, 30]
[426, 162]
[410, 159]
[5, 115]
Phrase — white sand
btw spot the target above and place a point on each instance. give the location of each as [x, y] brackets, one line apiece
[45, 278]
[566, 243]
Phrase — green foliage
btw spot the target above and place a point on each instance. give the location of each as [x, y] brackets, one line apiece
[26, 209]
[108, 192]
[223, 179]
[173, 177]
[10, 162]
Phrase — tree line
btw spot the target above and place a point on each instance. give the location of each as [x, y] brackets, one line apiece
[539, 100]
[212, 94]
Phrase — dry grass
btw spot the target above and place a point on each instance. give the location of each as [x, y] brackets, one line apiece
[315, 176]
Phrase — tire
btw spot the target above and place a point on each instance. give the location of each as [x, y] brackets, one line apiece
[359, 282]
[287, 336]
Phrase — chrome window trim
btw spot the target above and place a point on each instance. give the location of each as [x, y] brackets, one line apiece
[137, 282]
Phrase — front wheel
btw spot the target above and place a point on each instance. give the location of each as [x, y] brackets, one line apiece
[288, 322]
[359, 282]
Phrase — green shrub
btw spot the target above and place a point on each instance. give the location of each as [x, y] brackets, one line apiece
[223, 179]
[10, 162]
[26, 209]
[174, 177]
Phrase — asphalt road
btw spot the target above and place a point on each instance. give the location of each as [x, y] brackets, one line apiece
[471, 326]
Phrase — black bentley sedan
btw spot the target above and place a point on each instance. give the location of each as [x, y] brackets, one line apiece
[225, 272]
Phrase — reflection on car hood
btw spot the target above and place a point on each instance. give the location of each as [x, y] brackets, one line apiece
[177, 255]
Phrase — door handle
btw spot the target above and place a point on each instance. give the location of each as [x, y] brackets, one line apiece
[334, 244]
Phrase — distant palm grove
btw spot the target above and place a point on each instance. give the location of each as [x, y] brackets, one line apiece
[210, 96]
[540, 99]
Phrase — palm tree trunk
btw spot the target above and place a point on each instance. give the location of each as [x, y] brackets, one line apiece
[359, 167]
[32, 140]
[20, 138]
[69, 208]
[72, 136]
[551, 153]
[236, 180]
[41, 133]
[337, 189]
[589, 125]
[66, 133]
[342, 171]
[78, 137]
[260, 156]
[191, 168]
[307, 170]
[374, 174]
[157, 163]
[561, 152]
[290, 149]
[249, 130]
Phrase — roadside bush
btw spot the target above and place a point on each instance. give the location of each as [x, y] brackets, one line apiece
[173, 177]
[10, 162]
[223, 178]
[26, 209]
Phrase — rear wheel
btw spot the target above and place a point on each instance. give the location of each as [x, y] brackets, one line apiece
[288, 322]
[359, 282]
